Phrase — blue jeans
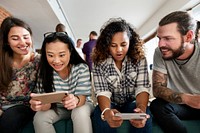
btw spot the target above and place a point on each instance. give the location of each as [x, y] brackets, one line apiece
[169, 115]
[14, 118]
[101, 126]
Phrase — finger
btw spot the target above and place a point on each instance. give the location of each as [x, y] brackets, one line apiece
[32, 94]
[147, 116]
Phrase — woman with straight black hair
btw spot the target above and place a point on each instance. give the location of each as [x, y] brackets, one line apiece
[62, 69]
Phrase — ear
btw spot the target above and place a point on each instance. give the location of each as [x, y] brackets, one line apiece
[189, 36]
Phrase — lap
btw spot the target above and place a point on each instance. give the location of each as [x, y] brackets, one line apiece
[52, 115]
[160, 107]
[19, 114]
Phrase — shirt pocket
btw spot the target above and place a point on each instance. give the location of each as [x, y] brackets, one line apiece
[113, 80]
[131, 79]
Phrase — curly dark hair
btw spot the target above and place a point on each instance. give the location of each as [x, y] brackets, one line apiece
[108, 30]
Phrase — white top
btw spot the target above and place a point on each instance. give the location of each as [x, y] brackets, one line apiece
[79, 50]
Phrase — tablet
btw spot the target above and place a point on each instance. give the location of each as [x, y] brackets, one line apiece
[52, 97]
[129, 116]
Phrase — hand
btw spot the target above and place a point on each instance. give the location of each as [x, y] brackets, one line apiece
[37, 105]
[70, 102]
[113, 121]
[191, 100]
[139, 123]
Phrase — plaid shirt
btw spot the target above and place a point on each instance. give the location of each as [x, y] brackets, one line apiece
[124, 85]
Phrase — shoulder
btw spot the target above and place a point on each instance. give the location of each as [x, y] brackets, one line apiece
[85, 44]
[104, 66]
[143, 61]
[93, 41]
[132, 63]
[81, 67]
[157, 51]
[35, 58]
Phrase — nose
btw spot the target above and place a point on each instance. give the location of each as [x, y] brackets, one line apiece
[56, 59]
[161, 43]
[22, 41]
[119, 49]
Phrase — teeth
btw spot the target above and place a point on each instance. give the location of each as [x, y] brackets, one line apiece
[57, 65]
[23, 47]
[164, 50]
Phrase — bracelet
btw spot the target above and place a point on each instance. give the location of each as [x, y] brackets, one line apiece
[102, 114]
[78, 100]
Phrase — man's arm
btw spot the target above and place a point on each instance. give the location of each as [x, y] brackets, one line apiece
[160, 89]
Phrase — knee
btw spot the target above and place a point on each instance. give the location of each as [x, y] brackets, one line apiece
[157, 105]
[161, 108]
[41, 117]
[83, 112]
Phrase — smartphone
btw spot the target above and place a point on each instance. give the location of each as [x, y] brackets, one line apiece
[129, 116]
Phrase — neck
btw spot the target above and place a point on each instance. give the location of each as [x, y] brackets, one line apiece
[119, 65]
[20, 60]
[64, 74]
[189, 49]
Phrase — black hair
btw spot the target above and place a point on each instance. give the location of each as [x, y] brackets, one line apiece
[45, 70]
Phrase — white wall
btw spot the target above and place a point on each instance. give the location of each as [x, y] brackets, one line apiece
[150, 48]
[149, 52]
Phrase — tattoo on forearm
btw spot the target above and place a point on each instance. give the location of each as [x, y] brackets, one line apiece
[160, 88]
[175, 98]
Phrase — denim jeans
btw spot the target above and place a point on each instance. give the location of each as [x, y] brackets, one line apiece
[169, 115]
[14, 118]
[101, 126]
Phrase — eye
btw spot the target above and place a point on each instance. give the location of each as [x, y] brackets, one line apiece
[62, 55]
[123, 44]
[49, 55]
[113, 45]
[26, 37]
[169, 38]
[14, 38]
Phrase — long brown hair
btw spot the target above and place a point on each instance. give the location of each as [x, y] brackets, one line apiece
[6, 53]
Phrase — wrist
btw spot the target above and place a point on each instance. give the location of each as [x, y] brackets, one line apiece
[103, 112]
[142, 107]
[184, 98]
[78, 100]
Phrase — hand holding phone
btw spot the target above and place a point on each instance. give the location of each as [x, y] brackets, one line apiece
[129, 116]
[52, 97]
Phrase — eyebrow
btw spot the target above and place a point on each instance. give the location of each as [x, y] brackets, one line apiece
[120, 43]
[18, 35]
[59, 52]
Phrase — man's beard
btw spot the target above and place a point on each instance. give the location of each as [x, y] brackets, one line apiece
[175, 53]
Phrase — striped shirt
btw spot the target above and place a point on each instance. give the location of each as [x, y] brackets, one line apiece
[78, 82]
[123, 85]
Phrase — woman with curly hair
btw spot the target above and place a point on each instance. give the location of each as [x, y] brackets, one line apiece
[121, 78]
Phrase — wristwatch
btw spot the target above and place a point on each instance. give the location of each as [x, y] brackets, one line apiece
[102, 114]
